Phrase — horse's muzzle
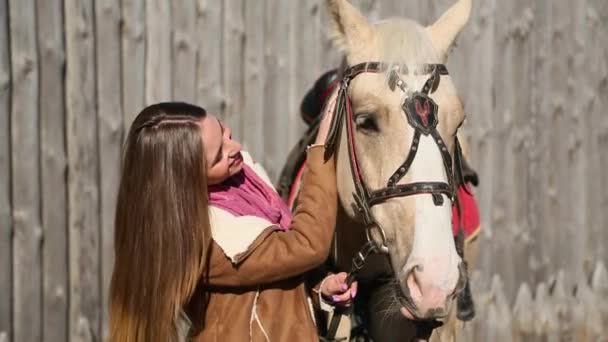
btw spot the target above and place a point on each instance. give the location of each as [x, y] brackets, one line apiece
[422, 300]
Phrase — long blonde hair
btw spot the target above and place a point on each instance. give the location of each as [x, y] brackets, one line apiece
[162, 229]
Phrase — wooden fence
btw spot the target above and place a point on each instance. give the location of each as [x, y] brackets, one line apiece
[559, 309]
[73, 73]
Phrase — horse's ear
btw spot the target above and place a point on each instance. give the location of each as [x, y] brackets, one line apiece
[350, 30]
[445, 30]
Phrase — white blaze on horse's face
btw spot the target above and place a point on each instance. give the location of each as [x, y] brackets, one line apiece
[419, 233]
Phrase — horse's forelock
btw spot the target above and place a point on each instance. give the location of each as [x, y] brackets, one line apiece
[405, 41]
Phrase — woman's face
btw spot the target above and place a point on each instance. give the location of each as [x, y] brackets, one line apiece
[223, 154]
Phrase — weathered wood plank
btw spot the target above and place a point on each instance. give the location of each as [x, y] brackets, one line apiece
[6, 224]
[560, 88]
[278, 98]
[253, 88]
[579, 145]
[158, 51]
[523, 317]
[233, 38]
[598, 13]
[594, 71]
[110, 131]
[521, 138]
[479, 108]
[133, 59]
[502, 214]
[209, 89]
[562, 303]
[393, 9]
[307, 58]
[536, 169]
[587, 319]
[53, 169]
[25, 144]
[184, 47]
[599, 284]
[499, 316]
[83, 187]
[546, 175]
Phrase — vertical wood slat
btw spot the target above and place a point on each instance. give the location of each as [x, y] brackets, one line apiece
[6, 224]
[253, 72]
[521, 136]
[578, 145]
[110, 130]
[83, 190]
[536, 167]
[591, 64]
[599, 14]
[542, 93]
[27, 279]
[184, 47]
[562, 88]
[502, 217]
[133, 49]
[276, 96]
[307, 66]
[158, 51]
[233, 37]
[557, 111]
[53, 170]
[479, 110]
[209, 89]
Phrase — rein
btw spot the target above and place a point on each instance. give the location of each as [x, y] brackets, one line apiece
[422, 114]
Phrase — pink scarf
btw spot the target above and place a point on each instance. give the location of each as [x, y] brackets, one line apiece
[246, 194]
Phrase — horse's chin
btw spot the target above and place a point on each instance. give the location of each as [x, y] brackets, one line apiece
[408, 310]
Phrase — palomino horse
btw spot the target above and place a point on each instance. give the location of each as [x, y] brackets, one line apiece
[395, 139]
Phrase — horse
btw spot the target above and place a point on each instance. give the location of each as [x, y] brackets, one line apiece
[402, 175]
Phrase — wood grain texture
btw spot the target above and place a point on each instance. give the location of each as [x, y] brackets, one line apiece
[209, 87]
[110, 133]
[277, 98]
[25, 145]
[6, 224]
[158, 51]
[184, 50]
[53, 170]
[253, 86]
[133, 62]
[233, 39]
[83, 172]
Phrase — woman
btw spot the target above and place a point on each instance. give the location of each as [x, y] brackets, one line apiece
[201, 235]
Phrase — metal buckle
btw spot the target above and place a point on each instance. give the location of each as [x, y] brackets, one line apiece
[358, 261]
[382, 247]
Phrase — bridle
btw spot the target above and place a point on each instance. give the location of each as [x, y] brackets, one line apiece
[422, 115]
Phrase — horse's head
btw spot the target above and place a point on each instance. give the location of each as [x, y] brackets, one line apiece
[417, 224]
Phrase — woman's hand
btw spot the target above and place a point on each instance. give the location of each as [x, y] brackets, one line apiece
[335, 289]
[328, 114]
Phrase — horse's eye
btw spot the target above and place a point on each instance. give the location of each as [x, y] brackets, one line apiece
[367, 123]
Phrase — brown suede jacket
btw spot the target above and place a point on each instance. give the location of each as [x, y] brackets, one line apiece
[260, 294]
